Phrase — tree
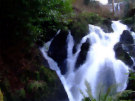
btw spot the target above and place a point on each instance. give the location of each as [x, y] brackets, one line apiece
[113, 7]
[31, 19]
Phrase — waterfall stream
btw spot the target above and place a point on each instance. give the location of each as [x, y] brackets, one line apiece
[100, 69]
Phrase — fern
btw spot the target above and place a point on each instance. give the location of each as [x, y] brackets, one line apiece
[107, 96]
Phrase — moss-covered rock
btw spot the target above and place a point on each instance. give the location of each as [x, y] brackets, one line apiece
[79, 25]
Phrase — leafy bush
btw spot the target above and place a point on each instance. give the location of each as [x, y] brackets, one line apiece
[79, 28]
[107, 96]
[35, 87]
[92, 18]
[30, 20]
[129, 20]
[79, 24]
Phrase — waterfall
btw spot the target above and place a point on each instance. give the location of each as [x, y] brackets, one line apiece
[117, 7]
[100, 69]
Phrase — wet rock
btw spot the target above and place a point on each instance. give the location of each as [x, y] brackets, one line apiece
[132, 52]
[107, 26]
[126, 37]
[132, 28]
[83, 53]
[74, 49]
[58, 50]
[121, 54]
[128, 59]
[134, 67]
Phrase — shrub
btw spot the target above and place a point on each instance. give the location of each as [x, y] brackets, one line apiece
[107, 96]
[79, 28]
[30, 20]
[79, 24]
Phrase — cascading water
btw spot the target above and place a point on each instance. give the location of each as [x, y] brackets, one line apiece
[101, 69]
[116, 7]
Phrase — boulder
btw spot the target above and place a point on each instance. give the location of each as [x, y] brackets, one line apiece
[134, 67]
[126, 38]
[121, 54]
[132, 52]
[132, 28]
[58, 50]
[107, 26]
[74, 48]
[83, 54]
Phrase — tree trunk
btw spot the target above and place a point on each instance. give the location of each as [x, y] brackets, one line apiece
[113, 7]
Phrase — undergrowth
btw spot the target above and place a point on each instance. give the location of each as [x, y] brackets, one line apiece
[106, 97]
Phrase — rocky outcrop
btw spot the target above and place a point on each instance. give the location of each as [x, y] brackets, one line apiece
[58, 50]
[121, 54]
[126, 38]
[124, 50]
[133, 28]
[83, 54]
[106, 26]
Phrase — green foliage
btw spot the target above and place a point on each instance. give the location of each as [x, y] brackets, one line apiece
[79, 28]
[129, 20]
[107, 96]
[32, 19]
[47, 75]
[19, 94]
[35, 85]
[92, 18]
[132, 75]
[79, 24]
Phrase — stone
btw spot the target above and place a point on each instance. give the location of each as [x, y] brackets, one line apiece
[121, 54]
[132, 28]
[106, 26]
[83, 54]
[126, 38]
[58, 50]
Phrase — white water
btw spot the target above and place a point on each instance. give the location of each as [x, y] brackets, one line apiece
[104, 2]
[117, 7]
[101, 69]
